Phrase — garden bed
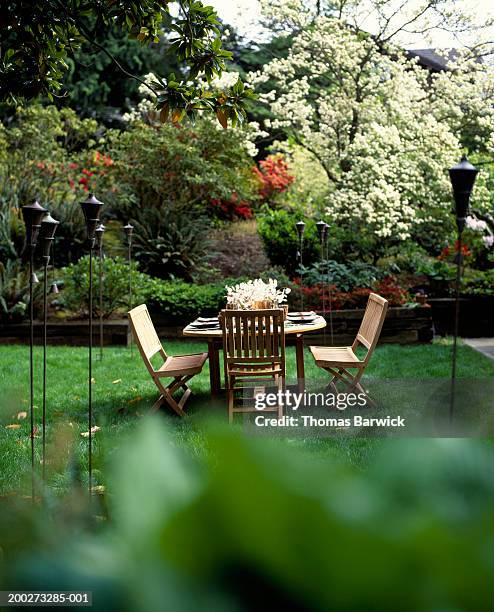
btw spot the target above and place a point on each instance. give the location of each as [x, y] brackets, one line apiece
[402, 326]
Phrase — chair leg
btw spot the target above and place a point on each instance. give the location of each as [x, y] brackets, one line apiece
[280, 384]
[229, 395]
[158, 403]
[167, 394]
[369, 401]
[174, 405]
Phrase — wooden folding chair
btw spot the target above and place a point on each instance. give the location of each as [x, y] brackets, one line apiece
[338, 360]
[181, 368]
[254, 351]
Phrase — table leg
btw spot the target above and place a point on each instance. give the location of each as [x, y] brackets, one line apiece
[214, 367]
[299, 350]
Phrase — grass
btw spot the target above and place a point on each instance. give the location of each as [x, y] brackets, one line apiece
[123, 391]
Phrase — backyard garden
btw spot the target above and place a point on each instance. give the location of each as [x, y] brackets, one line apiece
[308, 163]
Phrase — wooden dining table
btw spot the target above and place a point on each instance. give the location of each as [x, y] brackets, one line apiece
[214, 340]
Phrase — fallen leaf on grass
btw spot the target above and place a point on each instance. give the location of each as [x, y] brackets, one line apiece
[13, 426]
[115, 382]
[135, 400]
[85, 434]
[34, 433]
[21, 415]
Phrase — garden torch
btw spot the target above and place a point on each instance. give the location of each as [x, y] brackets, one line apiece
[462, 178]
[129, 229]
[32, 213]
[47, 236]
[328, 281]
[99, 233]
[300, 230]
[322, 230]
[91, 208]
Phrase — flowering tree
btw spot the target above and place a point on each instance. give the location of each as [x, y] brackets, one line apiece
[383, 129]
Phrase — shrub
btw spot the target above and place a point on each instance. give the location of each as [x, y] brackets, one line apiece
[42, 154]
[439, 276]
[170, 167]
[174, 248]
[279, 236]
[316, 297]
[171, 181]
[345, 276]
[115, 285]
[178, 299]
[274, 177]
[478, 283]
[14, 291]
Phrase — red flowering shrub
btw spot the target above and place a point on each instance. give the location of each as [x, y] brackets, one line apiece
[317, 296]
[273, 176]
[82, 175]
[449, 252]
[232, 209]
[86, 173]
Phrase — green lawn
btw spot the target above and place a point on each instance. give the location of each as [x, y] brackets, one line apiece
[123, 392]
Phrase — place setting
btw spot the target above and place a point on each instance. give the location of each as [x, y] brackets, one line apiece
[301, 318]
[205, 324]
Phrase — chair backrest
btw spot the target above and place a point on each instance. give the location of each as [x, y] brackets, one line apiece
[253, 336]
[372, 323]
[145, 335]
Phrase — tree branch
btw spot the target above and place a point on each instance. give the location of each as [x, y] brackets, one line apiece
[88, 37]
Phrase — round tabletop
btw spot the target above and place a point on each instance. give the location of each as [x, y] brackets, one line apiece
[290, 328]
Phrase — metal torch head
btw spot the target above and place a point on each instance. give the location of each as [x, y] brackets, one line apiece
[47, 233]
[32, 214]
[91, 208]
[300, 228]
[325, 232]
[99, 233]
[462, 178]
[129, 230]
[321, 227]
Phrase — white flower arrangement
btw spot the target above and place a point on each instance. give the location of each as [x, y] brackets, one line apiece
[245, 296]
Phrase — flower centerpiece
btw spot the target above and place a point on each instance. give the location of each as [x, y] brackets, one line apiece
[256, 294]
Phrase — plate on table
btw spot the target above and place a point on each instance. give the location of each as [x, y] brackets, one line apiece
[301, 317]
[204, 325]
[206, 320]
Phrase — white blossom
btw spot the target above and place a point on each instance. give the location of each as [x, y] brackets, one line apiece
[383, 129]
[244, 295]
[477, 225]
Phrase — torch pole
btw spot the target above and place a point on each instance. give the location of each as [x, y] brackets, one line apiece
[323, 288]
[330, 295]
[101, 302]
[90, 369]
[301, 270]
[91, 209]
[130, 284]
[45, 323]
[31, 363]
[456, 326]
